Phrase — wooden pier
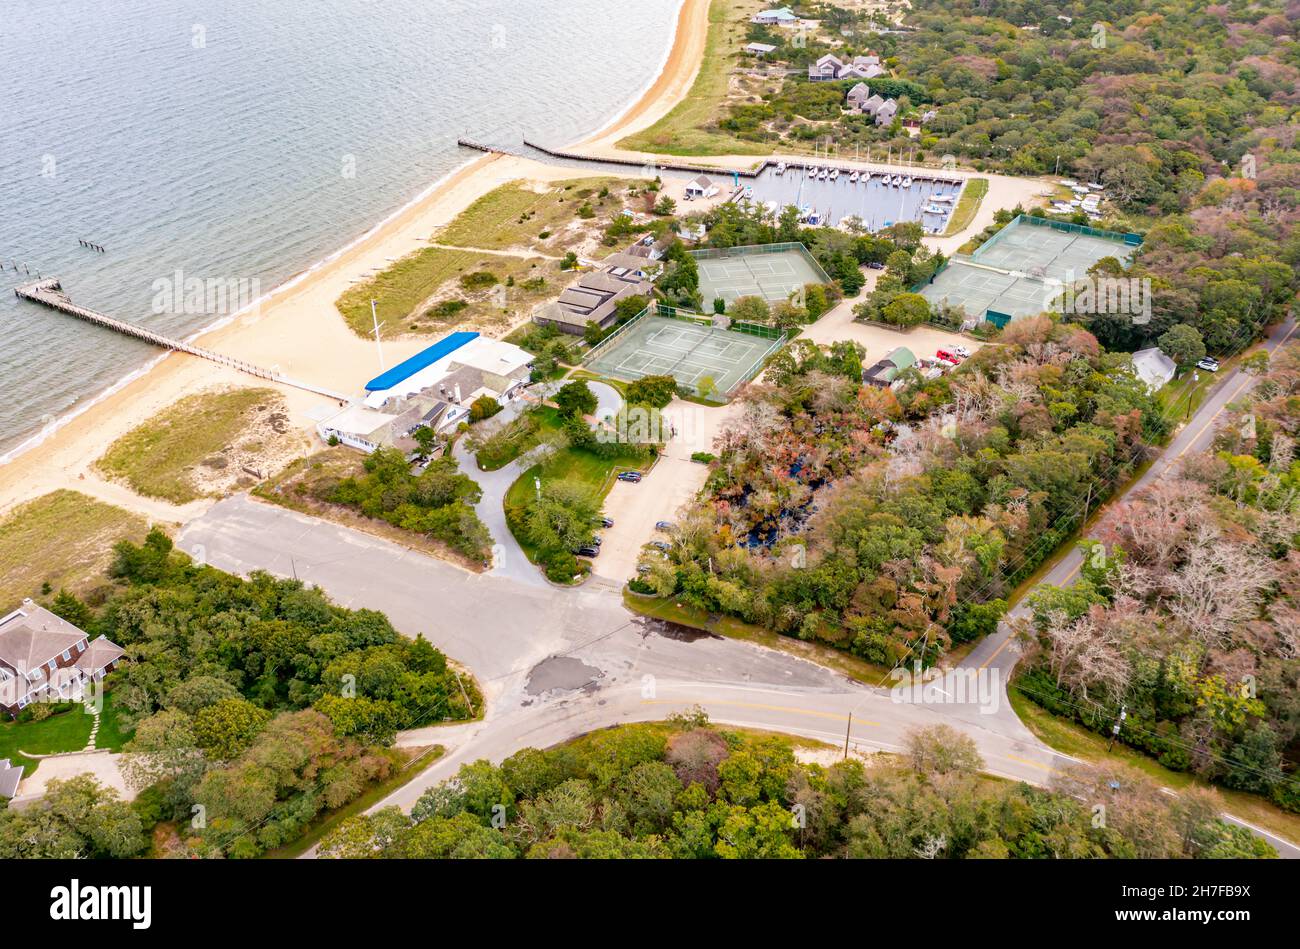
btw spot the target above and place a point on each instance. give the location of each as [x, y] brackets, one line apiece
[49, 292]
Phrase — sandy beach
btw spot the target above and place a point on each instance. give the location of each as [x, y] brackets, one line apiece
[297, 329]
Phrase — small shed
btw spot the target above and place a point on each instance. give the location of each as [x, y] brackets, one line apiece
[701, 187]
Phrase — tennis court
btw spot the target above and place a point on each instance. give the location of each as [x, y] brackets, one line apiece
[689, 352]
[1023, 268]
[772, 272]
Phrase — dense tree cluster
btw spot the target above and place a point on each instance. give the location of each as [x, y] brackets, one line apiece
[254, 705]
[1188, 612]
[689, 791]
[890, 523]
[438, 501]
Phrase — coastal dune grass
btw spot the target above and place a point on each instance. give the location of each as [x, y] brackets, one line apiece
[155, 458]
[969, 203]
[405, 292]
[687, 128]
[62, 539]
[515, 215]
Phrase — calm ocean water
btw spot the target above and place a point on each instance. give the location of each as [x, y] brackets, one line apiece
[248, 139]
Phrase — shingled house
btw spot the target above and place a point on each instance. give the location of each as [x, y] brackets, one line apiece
[45, 658]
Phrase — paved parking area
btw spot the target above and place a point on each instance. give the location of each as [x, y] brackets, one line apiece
[102, 765]
[673, 481]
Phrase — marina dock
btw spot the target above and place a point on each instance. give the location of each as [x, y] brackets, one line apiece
[49, 292]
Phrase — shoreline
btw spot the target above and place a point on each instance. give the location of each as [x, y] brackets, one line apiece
[296, 322]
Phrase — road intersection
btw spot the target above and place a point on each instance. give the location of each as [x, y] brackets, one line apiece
[557, 663]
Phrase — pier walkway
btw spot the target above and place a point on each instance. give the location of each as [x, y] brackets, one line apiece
[49, 292]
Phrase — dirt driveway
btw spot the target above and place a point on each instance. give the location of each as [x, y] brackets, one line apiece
[657, 497]
[838, 325]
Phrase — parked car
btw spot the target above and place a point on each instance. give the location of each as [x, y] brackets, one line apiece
[661, 545]
[948, 356]
[643, 568]
[1209, 364]
[596, 540]
[875, 265]
[633, 476]
[606, 522]
[587, 550]
[665, 526]
[962, 351]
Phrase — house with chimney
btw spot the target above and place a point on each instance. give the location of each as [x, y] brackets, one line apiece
[44, 658]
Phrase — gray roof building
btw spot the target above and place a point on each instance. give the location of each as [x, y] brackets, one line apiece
[10, 775]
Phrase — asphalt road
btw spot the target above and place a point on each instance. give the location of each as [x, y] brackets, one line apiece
[555, 663]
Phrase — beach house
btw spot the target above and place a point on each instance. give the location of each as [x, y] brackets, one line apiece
[596, 295]
[782, 16]
[433, 389]
[44, 658]
[857, 96]
[759, 50]
[826, 69]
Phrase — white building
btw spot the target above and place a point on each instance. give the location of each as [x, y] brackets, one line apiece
[1153, 367]
[433, 389]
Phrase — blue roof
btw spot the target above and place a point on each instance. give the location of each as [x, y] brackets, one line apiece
[421, 360]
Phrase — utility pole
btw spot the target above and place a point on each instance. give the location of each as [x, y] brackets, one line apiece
[374, 317]
[1114, 729]
[1087, 503]
[848, 729]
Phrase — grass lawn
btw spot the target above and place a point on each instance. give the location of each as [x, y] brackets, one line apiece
[61, 539]
[155, 459]
[1072, 739]
[732, 628]
[66, 731]
[423, 292]
[417, 759]
[519, 436]
[593, 472]
[686, 130]
[969, 202]
[516, 215]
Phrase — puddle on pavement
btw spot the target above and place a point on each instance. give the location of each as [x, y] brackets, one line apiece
[563, 673]
[674, 631]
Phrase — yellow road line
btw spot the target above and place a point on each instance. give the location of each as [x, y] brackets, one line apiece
[1032, 764]
[1006, 642]
[769, 708]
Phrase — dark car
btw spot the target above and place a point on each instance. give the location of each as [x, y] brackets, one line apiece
[665, 526]
[606, 522]
[876, 265]
[587, 550]
[633, 476]
[661, 545]
[596, 540]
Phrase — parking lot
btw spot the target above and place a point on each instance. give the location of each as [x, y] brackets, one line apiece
[671, 483]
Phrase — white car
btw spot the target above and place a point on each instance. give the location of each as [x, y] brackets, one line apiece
[1209, 364]
[962, 351]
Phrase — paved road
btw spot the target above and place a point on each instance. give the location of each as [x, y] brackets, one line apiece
[557, 663]
[1000, 651]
